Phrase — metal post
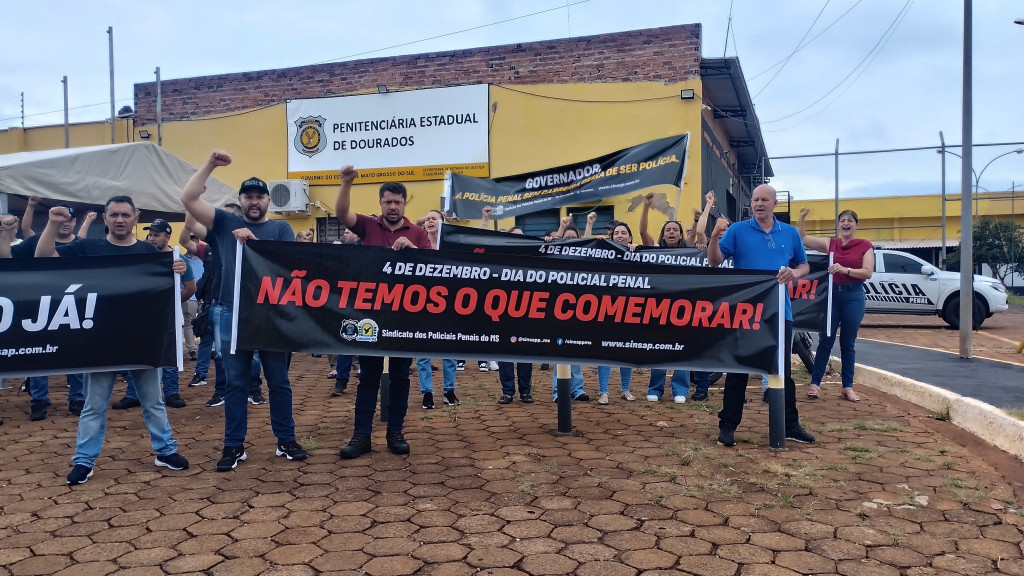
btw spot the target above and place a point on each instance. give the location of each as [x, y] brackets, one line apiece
[67, 127]
[1013, 231]
[966, 223]
[22, 110]
[159, 114]
[942, 253]
[113, 118]
[836, 219]
[563, 382]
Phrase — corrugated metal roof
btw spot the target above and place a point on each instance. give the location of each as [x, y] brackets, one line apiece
[919, 243]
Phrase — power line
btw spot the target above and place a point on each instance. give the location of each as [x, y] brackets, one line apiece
[805, 45]
[797, 47]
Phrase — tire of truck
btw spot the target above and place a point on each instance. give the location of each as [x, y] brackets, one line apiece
[951, 313]
[802, 348]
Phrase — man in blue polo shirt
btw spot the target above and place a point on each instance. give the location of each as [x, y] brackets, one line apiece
[761, 243]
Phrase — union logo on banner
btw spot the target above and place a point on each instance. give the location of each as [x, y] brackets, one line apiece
[309, 135]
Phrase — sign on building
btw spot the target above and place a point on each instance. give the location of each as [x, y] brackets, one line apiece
[414, 135]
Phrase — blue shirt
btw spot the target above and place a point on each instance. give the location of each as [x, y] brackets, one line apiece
[224, 223]
[195, 265]
[752, 248]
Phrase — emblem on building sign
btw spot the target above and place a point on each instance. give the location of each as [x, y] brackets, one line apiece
[309, 135]
[368, 331]
[349, 329]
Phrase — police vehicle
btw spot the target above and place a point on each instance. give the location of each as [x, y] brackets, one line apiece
[904, 284]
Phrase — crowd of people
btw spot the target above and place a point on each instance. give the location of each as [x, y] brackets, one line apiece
[207, 269]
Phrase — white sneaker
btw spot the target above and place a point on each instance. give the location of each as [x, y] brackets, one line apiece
[680, 399]
[493, 365]
[652, 398]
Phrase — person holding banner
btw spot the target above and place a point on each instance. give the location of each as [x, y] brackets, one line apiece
[432, 224]
[623, 235]
[761, 243]
[392, 229]
[853, 262]
[120, 217]
[224, 230]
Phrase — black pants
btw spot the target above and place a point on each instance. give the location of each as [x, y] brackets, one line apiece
[736, 392]
[369, 386]
[506, 374]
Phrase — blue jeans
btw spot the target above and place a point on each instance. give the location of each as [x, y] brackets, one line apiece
[701, 381]
[92, 424]
[426, 378]
[343, 367]
[507, 376]
[680, 382]
[204, 351]
[575, 381]
[369, 387]
[238, 368]
[848, 304]
[168, 380]
[604, 373]
[39, 388]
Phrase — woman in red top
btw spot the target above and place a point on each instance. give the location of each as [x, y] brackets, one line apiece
[853, 263]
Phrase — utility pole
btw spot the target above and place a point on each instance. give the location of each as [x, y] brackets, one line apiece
[159, 114]
[113, 117]
[67, 127]
[22, 110]
[942, 254]
[966, 222]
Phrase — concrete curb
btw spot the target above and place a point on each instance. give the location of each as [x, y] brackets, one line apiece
[983, 420]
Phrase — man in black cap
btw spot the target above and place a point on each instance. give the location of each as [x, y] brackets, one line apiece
[226, 228]
[39, 386]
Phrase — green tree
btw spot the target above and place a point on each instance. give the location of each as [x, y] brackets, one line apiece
[997, 244]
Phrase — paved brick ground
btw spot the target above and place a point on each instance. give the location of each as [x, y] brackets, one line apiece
[642, 489]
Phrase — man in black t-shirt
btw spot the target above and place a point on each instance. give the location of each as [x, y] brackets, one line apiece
[120, 217]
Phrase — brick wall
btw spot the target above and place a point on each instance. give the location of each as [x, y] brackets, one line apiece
[670, 54]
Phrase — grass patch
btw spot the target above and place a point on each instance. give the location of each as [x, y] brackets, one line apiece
[722, 485]
[324, 426]
[924, 458]
[670, 473]
[941, 416]
[311, 443]
[860, 452]
[551, 468]
[873, 426]
[1017, 413]
[783, 500]
[837, 428]
[838, 468]
[947, 464]
[956, 482]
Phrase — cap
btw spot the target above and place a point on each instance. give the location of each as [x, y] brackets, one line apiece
[611, 225]
[159, 226]
[254, 184]
[67, 207]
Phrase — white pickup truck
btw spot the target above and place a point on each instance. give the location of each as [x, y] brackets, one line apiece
[905, 284]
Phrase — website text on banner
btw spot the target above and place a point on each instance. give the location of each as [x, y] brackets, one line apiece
[62, 315]
[809, 294]
[378, 301]
[623, 172]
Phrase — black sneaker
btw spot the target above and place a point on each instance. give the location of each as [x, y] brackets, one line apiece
[257, 399]
[450, 399]
[460, 366]
[699, 396]
[291, 450]
[80, 474]
[126, 403]
[581, 397]
[197, 380]
[428, 400]
[483, 366]
[800, 435]
[232, 455]
[38, 412]
[173, 461]
[725, 438]
[545, 366]
[339, 389]
[505, 399]
[192, 355]
[396, 442]
[433, 368]
[764, 397]
[75, 407]
[526, 398]
[357, 446]
[174, 401]
[215, 400]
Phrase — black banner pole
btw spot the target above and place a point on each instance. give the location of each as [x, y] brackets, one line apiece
[777, 390]
[564, 399]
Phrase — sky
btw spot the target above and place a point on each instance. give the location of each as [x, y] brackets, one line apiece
[874, 74]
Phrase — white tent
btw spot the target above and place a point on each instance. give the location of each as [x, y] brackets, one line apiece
[152, 176]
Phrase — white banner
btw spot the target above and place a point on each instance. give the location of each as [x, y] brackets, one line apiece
[414, 135]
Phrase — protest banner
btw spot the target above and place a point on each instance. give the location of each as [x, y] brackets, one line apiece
[626, 171]
[378, 301]
[90, 314]
[809, 295]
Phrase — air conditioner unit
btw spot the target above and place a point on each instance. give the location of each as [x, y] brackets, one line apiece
[289, 196]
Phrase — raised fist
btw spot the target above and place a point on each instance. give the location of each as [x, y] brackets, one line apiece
[710, 197]
[804, 212]
[487, 211]
[566, 220]
[59, 214]
[592, 217]
[348, 173]
[720, 226]
[648, 199]
[219, 158]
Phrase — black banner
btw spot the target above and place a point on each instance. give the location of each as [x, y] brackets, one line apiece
[624, 172]
[378, 301]
[809, 295]
[90, 314]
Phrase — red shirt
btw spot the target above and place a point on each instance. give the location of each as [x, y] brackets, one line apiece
[374, 232]
[850, 256]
